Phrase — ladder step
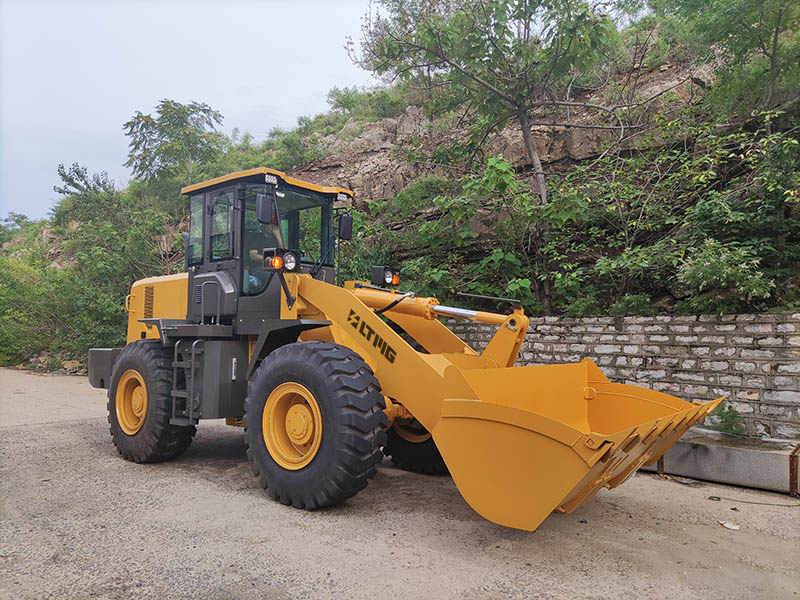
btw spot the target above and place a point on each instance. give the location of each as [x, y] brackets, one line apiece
[180, 394]
[181, 364]
[180, 421]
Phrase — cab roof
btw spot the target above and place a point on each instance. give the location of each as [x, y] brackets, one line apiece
[257, 176]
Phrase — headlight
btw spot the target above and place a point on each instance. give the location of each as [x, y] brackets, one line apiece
[388, 276]
[289, 261]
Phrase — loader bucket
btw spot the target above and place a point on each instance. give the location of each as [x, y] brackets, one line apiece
[545, 438]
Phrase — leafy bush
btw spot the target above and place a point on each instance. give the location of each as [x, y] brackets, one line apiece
[724, 279]
[106, 240]
[370, 104]
[583, 306]
[54, 310]
[613, 234]
[632, 304]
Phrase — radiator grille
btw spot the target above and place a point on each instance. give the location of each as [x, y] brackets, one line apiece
[198, 294]
[149, 296]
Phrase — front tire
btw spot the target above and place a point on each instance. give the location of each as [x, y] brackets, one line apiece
[140, 405]
[313, 419]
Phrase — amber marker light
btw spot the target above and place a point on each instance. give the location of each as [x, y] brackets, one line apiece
[276, 262]
[395, 279]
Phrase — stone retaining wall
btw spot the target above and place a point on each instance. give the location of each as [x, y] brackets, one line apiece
[752, 359]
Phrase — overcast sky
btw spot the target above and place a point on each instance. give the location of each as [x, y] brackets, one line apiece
[71, 73]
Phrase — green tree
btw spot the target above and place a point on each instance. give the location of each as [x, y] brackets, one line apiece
[14, 224]
[506, 58]
[175, 141]
[114, 236]
[758, 42]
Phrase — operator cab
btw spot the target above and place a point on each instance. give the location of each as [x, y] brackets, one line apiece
[228, 281]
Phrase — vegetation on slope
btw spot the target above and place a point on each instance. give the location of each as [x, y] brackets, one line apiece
[691, 205]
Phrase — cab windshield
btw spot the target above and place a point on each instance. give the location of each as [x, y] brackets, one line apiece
[305, 225]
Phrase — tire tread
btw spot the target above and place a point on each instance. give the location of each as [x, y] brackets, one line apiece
[356, 399]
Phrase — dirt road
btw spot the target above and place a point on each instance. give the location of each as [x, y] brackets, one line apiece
[79, 522]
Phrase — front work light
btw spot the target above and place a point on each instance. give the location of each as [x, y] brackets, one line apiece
[290, 261]
[278, 259]
[383, 275]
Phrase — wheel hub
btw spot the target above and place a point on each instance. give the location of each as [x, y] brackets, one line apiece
[137, 402]
[299, 424]
[131, 402]
[292, 425]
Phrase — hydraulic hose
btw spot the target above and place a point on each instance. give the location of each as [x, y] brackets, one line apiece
[394, 303]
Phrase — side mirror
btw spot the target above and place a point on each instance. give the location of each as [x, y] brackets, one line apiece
[266, 208]
[345, 226]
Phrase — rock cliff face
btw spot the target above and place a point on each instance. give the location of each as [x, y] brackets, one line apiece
[370, 159]
[47, 239]
[371, 163]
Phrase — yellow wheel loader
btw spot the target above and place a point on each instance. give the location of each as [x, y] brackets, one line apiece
[325, 379]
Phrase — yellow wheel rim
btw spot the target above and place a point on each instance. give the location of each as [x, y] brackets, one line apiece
[411, 431]
[131, 402]
[292, 425]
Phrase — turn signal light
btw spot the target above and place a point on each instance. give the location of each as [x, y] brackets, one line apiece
[276, 262]
[395, 279]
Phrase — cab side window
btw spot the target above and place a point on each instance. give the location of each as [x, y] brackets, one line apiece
[196, 229]
[221, 225]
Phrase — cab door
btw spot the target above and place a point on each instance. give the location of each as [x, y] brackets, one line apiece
[213, 277]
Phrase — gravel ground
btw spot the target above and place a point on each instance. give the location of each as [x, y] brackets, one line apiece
[80, 522]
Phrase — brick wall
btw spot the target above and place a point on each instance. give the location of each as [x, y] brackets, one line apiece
[753, 360]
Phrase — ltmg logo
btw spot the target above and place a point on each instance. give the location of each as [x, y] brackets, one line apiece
[371, 336]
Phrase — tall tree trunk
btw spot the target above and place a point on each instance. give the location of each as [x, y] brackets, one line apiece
[544, 286]
[774, 66]
[533, 156]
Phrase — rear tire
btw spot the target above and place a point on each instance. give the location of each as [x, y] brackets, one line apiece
[333, 390]
[417, 456]
[140, 405]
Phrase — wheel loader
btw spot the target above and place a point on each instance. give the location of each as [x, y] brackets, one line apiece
[326, 379]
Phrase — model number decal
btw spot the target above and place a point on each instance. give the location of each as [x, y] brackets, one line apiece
[371, 336]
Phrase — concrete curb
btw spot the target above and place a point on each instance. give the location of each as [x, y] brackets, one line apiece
[713, 456]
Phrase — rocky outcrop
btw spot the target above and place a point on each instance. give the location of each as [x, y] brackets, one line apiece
[371, 159]
[46, 239]
[368, 159]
